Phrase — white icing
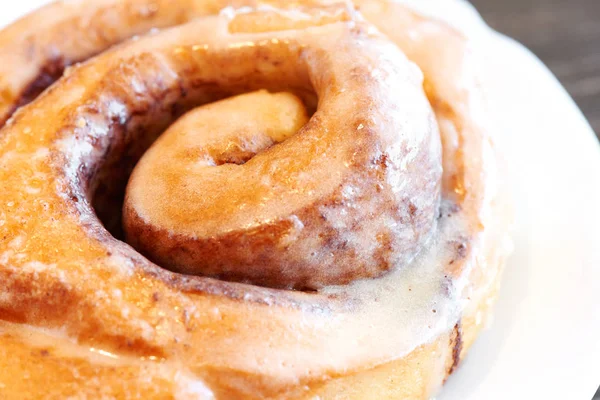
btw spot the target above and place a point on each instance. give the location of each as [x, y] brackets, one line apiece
[189, 387]
[400, 305]
[120, 264]
[37, 267]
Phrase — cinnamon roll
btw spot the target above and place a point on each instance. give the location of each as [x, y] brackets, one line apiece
[252, 199]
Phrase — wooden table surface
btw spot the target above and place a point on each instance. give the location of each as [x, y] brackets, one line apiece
[565, 34]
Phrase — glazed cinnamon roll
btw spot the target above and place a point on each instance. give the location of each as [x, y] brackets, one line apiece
[249, 200]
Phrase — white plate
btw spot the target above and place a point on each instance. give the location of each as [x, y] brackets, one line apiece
[545, 340]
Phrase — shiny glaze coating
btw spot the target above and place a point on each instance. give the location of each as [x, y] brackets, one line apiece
[178, 172]
[352, 195]
[109, 313]
[66, 32]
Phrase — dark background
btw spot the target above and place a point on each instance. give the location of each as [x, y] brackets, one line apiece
[565, 34]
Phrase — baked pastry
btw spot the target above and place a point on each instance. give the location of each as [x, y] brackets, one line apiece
[357, 258]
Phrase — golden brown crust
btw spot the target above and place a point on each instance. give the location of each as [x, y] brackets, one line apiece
[351, 196]
[64, 272]
[34, 364]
